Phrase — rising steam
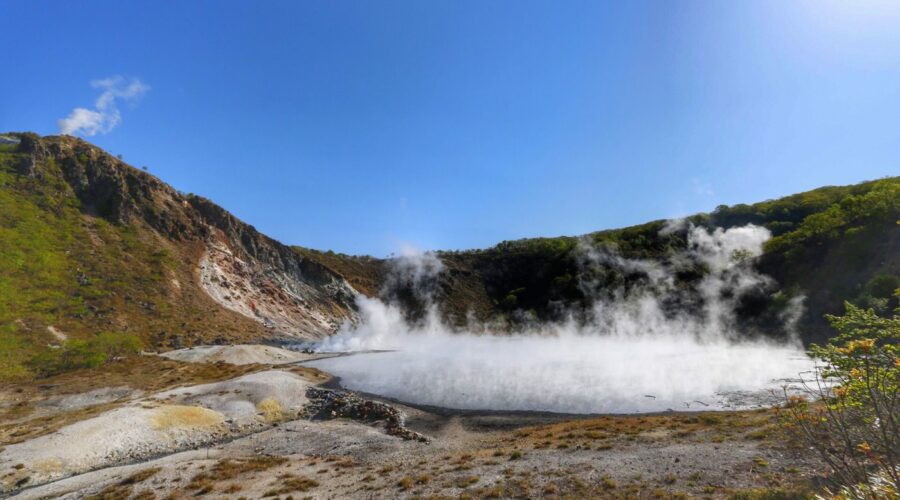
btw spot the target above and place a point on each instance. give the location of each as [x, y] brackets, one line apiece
[631, 354]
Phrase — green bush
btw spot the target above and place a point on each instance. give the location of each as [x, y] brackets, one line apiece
[877, 293]
[92, 353]
[854, 420]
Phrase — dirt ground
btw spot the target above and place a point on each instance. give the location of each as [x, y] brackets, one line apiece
[468, 454]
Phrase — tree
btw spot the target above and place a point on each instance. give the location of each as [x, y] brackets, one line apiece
[853, 417]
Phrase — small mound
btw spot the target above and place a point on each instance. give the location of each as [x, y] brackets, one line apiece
[242, 354]
[164, 423]
[184, 417]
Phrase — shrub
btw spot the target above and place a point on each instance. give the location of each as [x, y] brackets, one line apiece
[11, 349]
[405, 483]
[855, 424]
[116, 345]
[91, 353]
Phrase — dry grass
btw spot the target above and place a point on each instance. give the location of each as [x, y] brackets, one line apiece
[206, 482]
[601, 432]
[466, 481]
[292, 484]
[186, 417]
[141, 476]
[405, 483]
[230, 468]
[125, 488]
[271, 410]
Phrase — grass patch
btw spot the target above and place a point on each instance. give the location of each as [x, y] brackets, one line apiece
[296, 483]
[465, 482]
[770, 494]
[231, 468]
[608, 482]
[140, 477]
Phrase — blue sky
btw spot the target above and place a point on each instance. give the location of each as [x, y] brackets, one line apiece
[365, 126]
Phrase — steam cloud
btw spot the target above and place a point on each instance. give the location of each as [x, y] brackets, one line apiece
[106, 115]
[631, 355]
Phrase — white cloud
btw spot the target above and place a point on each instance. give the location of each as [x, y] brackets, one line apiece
[105, 116]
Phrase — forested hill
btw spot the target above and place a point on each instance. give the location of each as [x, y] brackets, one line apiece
[830, 244]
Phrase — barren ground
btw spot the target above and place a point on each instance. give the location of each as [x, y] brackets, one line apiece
[226, 431]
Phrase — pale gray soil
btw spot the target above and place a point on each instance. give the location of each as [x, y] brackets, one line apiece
[188, 432]
[313, 446]
[163, 423]
[242, 354]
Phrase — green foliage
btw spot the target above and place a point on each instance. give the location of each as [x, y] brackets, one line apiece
[646, 241]
[63, 269]
[543, 246]
[786, 214]
[33, 246]
[856, 425]
[11, 355]
[828, 243]
[511, 301]
[880, 203]
[91, 353]
[877, 294]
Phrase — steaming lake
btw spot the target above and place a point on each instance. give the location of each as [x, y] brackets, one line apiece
[575, 374]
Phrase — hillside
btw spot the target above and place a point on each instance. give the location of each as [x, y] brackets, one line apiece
[829, 245]
[89, 244]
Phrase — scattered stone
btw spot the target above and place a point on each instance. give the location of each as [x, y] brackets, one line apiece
[327, 404]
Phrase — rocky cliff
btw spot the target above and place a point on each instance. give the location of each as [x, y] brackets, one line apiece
[210, 254]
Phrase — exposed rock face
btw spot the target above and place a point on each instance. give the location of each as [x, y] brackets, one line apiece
[284, 301]
[262, 279]
[326, 404]
[238, 267]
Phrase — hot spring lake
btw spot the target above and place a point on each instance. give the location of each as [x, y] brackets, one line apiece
[575, 374]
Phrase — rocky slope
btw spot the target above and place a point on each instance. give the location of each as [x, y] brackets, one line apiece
[91, 244]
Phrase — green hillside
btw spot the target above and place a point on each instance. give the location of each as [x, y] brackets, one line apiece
[830, 244]
[97, 255]
[70, 268]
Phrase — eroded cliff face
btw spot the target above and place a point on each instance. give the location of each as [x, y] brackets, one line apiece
[239, 268]
[287, 294]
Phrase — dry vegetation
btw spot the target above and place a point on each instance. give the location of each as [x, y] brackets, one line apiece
[519, 464]
[22, 415]
[125, 487]
[576, 458]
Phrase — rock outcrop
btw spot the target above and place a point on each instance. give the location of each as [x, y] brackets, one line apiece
[237, 266]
